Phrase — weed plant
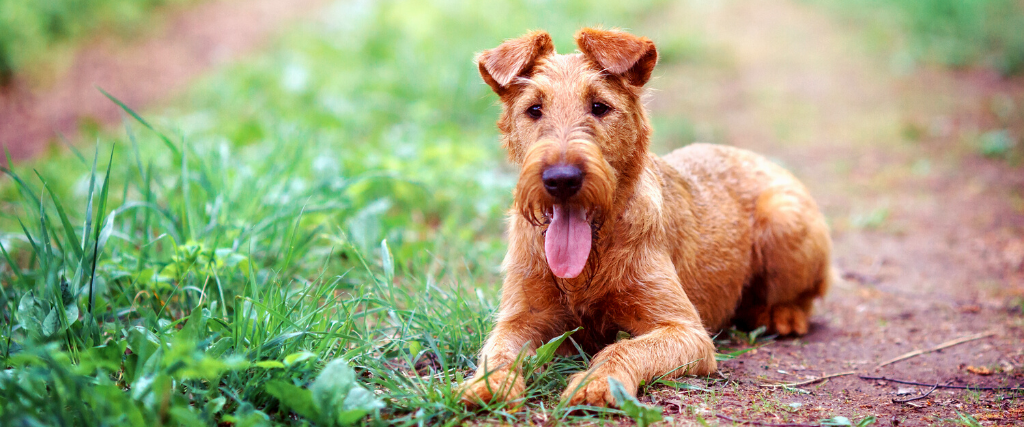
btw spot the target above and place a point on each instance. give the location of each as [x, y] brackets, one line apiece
[315, 239]
[956, 33]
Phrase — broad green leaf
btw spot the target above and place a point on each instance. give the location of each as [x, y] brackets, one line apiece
[643, 414]
[866, 421]
[357, 404]
[195, 326]
[106, 356]
[414, 348]
[209, 368]
[248, 416]
[547, 351]
[51, 324]
[183, 415]
[269, 364]
[836, 421]
[293, 397]
[215, 405]
[29, 314]
[340, 398]
[143, 344]
[71, 312]
[294, 358]
[220, 347]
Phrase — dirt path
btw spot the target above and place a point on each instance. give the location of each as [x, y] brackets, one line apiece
[928, 234]
[139, 72]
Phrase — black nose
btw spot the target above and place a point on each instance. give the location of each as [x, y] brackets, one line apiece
[562, 181]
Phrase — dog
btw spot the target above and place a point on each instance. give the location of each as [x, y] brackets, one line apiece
[605, 235]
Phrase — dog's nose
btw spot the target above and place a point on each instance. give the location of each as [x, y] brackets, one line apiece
[562, 181]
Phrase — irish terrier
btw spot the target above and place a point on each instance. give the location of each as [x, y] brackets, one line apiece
[607, 236]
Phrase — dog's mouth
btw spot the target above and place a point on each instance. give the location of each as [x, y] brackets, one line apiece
[567, 240]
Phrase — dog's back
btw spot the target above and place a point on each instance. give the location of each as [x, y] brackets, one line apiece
[738, 199]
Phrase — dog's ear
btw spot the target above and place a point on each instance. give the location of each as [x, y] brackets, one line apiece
[619, 53]
[514, 58]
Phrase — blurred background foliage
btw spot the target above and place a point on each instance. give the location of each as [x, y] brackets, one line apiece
[30, 31]
[956, 33]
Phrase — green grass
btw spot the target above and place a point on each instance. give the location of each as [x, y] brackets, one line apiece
[956, 33]
[31, 30]
[338, 198]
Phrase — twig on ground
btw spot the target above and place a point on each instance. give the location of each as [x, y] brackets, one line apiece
[946, 344]
[895, 400]
[758, 423]
[956, 387]
[810, 381]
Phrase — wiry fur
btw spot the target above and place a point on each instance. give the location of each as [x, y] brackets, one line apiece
[682, 245]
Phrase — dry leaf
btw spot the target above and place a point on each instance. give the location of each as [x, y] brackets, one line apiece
[979, 370]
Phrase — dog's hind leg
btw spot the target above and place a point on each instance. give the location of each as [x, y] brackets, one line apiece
[792, 264]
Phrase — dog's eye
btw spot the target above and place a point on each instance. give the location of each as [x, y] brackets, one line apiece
[598, 109]
[534, 111]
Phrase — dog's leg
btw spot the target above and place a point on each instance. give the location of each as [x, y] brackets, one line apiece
[792, 252]
[668, 335]
[527, 318]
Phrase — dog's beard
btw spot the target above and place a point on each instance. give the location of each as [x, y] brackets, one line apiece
[567, 241]
[572, 223]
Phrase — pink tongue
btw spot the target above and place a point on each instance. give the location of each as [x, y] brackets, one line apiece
[567, 241]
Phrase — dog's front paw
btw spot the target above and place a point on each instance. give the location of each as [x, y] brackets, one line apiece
[497, 386]
[595, 392]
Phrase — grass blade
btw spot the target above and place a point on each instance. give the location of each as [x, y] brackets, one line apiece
[165, 139]
[23, 188]
[69, 230]
[71, 147]
[96, 241]
[10, 263]
[86, 235]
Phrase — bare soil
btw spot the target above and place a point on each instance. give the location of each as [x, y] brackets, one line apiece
[140, 71]
[928, 233]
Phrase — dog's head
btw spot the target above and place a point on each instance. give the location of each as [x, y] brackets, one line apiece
[577, 127]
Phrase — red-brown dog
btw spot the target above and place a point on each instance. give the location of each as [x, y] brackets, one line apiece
[607, 236]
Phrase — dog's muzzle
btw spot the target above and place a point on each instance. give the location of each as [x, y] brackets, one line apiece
[568, 237]
[562, 181]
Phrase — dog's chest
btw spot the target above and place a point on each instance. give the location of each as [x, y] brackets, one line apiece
[599, 328]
